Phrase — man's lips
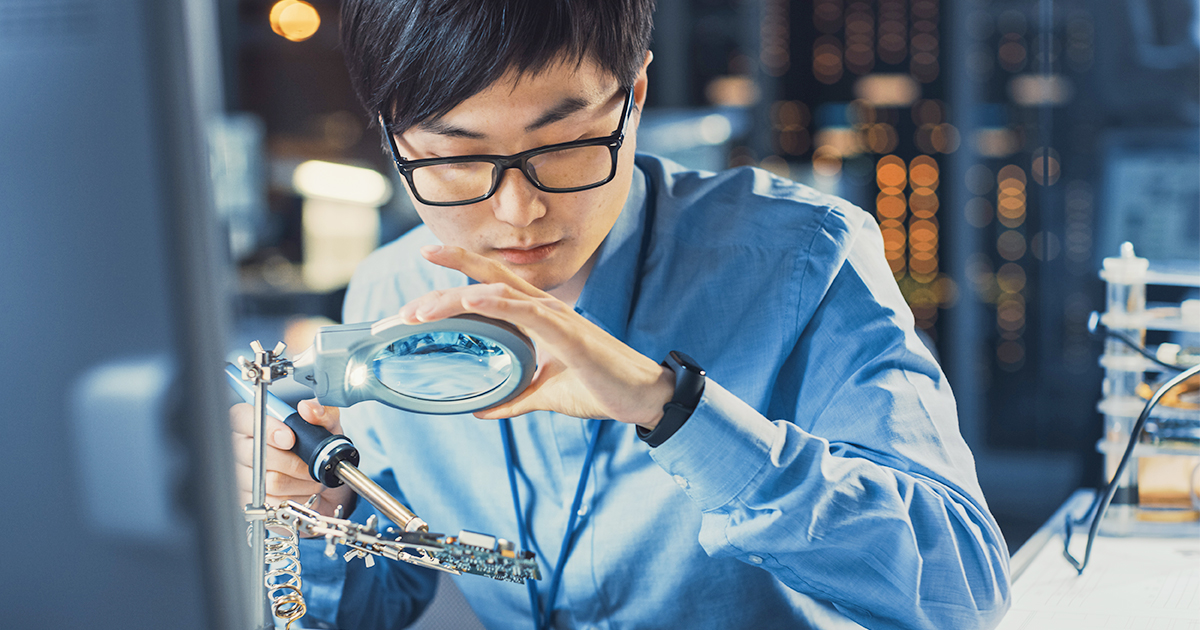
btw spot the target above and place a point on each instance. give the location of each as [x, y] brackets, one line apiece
[527, 255]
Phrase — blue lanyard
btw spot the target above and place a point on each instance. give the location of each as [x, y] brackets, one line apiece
[541, 622]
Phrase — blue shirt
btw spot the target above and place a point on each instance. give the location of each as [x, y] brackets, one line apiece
[821, 482]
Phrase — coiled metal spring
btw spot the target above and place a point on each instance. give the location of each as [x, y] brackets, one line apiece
[283, 571]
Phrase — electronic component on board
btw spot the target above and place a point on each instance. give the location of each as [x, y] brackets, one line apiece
[469, 552]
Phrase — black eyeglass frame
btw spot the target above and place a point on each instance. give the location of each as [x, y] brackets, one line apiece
[518, 161]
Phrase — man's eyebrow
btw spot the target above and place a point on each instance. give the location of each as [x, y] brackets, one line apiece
[564, 108]
[443, 128]
[561, 110]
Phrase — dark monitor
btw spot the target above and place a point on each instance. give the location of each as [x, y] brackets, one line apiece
[118, 500]
[1151, 195]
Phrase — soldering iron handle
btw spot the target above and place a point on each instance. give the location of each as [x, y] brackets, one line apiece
[331, 458]
[321, 450]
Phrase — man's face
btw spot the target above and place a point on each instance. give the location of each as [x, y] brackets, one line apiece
[547, 239]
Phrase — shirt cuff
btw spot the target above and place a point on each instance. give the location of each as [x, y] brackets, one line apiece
[719, 450]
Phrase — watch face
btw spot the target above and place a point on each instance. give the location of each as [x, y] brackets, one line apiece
[688, 363]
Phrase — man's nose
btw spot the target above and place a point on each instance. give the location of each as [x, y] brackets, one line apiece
[516, 201]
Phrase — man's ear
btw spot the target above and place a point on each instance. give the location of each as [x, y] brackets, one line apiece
[640, 84]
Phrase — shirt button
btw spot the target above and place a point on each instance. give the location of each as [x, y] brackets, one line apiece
[683, 483]
[756, 559]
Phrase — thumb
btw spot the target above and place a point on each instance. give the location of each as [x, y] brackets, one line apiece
[314, 412]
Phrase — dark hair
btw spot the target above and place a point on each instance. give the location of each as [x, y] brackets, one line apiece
[418, 59]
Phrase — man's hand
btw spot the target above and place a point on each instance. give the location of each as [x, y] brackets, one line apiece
[582, 370]
[286, 474]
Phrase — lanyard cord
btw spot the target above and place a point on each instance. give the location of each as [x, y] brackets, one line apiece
[540, 622]
[507, 435]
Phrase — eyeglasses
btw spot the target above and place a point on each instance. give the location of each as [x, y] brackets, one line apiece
[556, 168]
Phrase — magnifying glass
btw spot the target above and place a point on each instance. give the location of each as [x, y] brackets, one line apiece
[455, 365]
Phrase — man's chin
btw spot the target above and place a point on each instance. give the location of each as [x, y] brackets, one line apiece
[549, 275]
[546, 280]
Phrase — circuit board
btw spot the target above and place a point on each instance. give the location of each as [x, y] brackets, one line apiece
[469, 552]
[478, 554]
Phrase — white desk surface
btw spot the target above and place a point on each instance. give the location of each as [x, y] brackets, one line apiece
[1129, 583]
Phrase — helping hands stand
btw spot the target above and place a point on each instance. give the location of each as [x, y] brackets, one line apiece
[266, 368]
[333, 461]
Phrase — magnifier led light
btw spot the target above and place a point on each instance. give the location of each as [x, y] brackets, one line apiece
[358, 376]
[456, 365]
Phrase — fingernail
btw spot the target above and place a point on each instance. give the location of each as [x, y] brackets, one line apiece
[431, 249]
[317, 409]
[278, 437]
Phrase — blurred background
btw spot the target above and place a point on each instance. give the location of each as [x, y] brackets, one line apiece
[1006, 148]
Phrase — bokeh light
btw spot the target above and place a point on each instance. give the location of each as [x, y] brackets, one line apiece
[1039, 166]
[890, 206]
[827, 161]
[294, 20]
[1011, 245]
[924, 203]
[890, 174]
[923, 172]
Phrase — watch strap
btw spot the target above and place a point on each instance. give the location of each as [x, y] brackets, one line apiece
[689, 387]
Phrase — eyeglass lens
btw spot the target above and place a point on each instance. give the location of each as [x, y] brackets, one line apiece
[563, 169]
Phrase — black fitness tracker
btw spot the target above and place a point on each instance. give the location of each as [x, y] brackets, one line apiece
[689, 386]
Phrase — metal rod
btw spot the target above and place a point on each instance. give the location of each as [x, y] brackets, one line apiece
[384, 502]
[276, 408]
[258, 497]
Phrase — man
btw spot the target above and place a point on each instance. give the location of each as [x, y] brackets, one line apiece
[815, 477]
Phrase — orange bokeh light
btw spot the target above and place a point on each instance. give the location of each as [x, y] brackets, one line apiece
[923, 172]
[924, 203]
[1012, 171]
[294, 20]
[890, 172]
[890, 206]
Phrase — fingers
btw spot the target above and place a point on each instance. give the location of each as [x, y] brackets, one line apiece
[242, 420]
[274, 458]
[501, 293]
[533, 398]
[314, 412]
[549, 322]
[479, 268]
[286, 476]
[280, 487]
[442, 304]
[546, 320]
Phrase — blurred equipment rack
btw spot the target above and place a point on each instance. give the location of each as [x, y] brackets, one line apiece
[1168, 452]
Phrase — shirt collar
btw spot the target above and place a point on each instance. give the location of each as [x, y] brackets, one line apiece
[607, 296]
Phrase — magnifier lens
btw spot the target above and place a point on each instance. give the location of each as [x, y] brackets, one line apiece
[442, 366]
